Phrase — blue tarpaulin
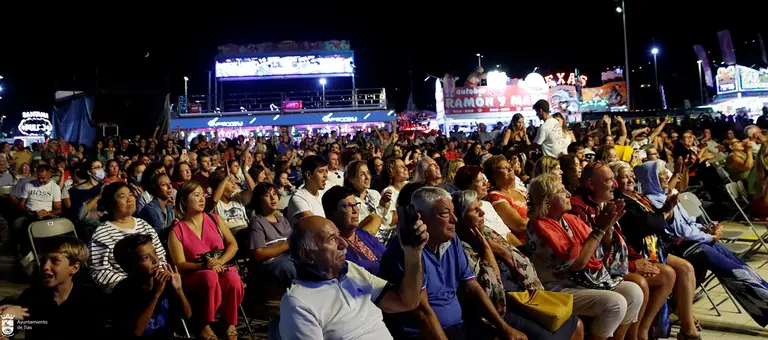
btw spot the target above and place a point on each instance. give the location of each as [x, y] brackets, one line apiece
[72, 120]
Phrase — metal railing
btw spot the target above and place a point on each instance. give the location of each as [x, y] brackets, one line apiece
[270, 102]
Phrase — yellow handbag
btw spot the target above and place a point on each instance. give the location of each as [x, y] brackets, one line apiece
[550, 309]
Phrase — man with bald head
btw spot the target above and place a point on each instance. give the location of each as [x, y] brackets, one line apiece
[332, 298]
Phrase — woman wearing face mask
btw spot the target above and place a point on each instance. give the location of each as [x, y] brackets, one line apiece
[700, 245]
[84, 197]
[374, 209]
[135, 173]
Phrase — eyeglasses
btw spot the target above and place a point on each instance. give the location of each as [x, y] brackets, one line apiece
[350, 207]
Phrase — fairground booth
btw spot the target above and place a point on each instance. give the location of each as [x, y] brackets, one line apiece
[741, 89]
[320, 110]
[502, 97]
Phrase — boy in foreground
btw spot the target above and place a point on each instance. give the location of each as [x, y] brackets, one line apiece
[56, 307]
[150, 300]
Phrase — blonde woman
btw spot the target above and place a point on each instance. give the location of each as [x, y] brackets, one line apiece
[449, 173]
[569, 257]
[547, 165]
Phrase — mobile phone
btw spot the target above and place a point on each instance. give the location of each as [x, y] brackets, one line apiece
[642, 154]
[407, 217]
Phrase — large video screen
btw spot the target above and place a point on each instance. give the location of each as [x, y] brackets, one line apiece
[300, 66]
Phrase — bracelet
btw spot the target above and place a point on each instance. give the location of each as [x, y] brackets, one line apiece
[597, 233]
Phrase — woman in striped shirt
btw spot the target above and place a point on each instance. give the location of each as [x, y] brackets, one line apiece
[120, 205]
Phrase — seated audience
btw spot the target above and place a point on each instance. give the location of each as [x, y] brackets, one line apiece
[119, 205]
[342, 207]
[268, 236]
[57, 307]
[38, 199]
[643, 228]
[446, 275]
[201, 245]
[159, 211]
[306, 201]
[596, 187]
[701, 247]
[570, 258]
[499, 268]
[374, 209]
[471, 177]
[229, 201]
[507, 200]
[150, 300]
[337, 299]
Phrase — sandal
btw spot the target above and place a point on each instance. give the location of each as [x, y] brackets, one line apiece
[683, 336]
[232, 333]
[208, 336]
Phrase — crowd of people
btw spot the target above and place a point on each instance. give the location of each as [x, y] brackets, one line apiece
[387, 234]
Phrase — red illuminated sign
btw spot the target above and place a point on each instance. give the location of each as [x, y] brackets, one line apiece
[561, 79]
[511, 98]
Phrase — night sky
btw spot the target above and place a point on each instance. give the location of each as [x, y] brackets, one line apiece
[65, 48]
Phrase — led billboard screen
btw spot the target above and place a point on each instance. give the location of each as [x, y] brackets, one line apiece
[287, 66]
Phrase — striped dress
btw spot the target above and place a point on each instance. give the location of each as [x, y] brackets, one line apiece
[103, 268]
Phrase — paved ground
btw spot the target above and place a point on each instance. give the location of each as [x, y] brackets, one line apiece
[729, 326]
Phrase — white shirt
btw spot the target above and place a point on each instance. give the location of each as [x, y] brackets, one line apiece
[335, 178]
[552, 139]
[334, 309]
[384, 212]
[395, 195]
[232, 212]
[303, 201]
[493, 220]
[41, 197]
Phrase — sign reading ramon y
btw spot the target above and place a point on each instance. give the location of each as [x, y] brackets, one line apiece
[35, 123]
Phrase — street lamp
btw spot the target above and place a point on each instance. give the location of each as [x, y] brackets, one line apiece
[701, 86]
[186, 80]
[323, 82]
[655, 51]
[621, 9]
[479, 60]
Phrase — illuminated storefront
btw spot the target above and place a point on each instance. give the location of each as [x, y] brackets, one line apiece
[741, 89]
[263, 124]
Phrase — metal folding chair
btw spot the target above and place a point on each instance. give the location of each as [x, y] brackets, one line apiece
[694, 208]
[48, 228]
[734, 192]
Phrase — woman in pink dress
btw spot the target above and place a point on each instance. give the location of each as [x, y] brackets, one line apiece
[212, 285]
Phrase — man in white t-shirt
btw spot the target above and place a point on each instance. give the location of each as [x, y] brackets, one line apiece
[550, 137]
[332, 298]
[307, 200]
[39, 198]
[335, 175]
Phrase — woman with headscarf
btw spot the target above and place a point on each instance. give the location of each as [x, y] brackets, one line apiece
[699, 245]
[643, 228]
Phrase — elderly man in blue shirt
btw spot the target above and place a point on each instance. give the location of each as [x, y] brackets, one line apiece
[446, 272]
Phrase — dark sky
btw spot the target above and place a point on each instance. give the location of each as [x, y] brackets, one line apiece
[66, 46]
